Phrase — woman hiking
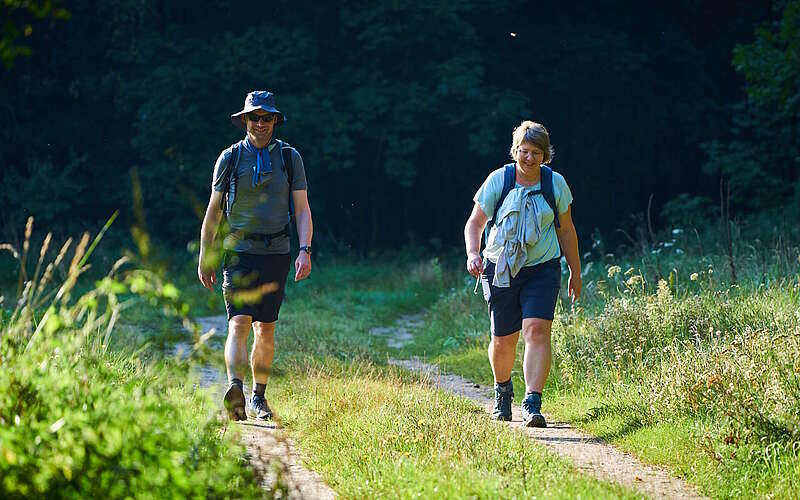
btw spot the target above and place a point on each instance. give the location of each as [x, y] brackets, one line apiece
[531, 228]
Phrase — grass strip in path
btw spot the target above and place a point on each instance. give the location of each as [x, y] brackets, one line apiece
[272, 454]
[372, 430]
[375, 431]
[588, 453]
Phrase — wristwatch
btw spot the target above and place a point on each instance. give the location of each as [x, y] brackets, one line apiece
[306, 249]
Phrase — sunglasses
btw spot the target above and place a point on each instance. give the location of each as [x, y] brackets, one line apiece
[252, 117]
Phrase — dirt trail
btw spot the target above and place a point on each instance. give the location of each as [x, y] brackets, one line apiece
[589, 454]
[272, 454]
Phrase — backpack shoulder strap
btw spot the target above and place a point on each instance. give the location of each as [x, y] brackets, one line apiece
[288, 167]
[288, 164]
[509, 179]
[548, 193]
[228, 177]
[233, 164]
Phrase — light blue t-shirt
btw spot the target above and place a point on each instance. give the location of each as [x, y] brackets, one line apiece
[546, 248]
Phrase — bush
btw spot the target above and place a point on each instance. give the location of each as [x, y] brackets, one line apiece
[79, 420]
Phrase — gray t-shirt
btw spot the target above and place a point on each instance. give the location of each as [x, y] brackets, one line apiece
[264, 208]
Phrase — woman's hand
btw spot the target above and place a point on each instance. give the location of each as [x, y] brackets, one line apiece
[474, 265]
[574, 286]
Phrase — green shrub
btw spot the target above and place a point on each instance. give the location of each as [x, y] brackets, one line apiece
[79, 420]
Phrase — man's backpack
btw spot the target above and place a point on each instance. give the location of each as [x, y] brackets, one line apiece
[227, 177]
[510, 179]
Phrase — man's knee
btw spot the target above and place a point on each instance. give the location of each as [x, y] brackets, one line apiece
[239, 325]
[536, 330]
[264, 332]
[262, 328]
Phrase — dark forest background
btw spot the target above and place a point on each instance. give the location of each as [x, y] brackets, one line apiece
[399, 108]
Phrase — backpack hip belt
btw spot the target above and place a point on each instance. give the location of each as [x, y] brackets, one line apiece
[265, 237]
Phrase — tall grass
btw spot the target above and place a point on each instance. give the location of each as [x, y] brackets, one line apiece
[663, 337]
[79, 420]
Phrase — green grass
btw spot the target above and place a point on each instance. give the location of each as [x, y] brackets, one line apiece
[664, 358]
[684, 371]
[372, 430]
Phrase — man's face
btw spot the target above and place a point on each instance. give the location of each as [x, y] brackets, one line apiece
[261, 129]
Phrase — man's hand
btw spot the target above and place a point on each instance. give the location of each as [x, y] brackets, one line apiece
[206, 273]
[474, 264]
[208, 277]
[302, 266]
[574, 286]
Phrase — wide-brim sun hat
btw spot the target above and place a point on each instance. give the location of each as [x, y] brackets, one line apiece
[257, 99]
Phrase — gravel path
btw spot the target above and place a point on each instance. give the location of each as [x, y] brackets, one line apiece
[272, 454]
[589, 454]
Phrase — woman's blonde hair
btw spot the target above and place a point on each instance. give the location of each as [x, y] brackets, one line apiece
[532, 133]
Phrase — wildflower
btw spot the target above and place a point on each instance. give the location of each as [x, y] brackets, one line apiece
[694, 276]
[663, 289]
[634, 280]
[613, 271]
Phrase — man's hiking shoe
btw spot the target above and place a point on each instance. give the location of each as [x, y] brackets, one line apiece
[260, 408]
[234, 403]
[502, 402]
[532, 411]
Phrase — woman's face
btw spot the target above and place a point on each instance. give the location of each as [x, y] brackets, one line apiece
[529, 156]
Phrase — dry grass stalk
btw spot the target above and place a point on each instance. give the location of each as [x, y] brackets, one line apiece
[26, 244]
[48, 272]
[42, 252]
[10, 248]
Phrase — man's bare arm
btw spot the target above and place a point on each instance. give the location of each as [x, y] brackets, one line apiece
[207, 262]
[305, 231]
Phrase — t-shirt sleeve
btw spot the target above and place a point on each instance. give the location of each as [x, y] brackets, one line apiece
[489, 193]
[299, 182]
[562, 192]
[219, 171]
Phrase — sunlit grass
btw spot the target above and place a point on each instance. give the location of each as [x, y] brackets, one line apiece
[682, 369]
[373, 432]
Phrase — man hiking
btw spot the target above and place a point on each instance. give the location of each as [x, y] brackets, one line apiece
[258, 182]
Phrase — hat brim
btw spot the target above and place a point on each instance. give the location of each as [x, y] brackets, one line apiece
[238, 118]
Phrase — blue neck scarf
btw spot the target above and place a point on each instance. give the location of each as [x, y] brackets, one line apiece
[262, 170]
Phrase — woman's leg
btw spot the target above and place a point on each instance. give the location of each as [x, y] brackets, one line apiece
[502, 352]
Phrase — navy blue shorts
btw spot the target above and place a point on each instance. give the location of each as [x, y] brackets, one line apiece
[532, 294]
[254, 285]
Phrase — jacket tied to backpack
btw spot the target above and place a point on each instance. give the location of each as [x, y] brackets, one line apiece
[517, 225]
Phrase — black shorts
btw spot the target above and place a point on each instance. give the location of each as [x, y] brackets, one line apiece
[254, 285]
[532, 294]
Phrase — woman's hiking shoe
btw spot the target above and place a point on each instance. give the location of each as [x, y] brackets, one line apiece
[532, 411]
[503, 396]
[260, 408]
[234, 403]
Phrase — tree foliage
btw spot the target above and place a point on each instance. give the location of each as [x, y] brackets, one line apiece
[762, 156]
[18, 19]
[399, 108]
